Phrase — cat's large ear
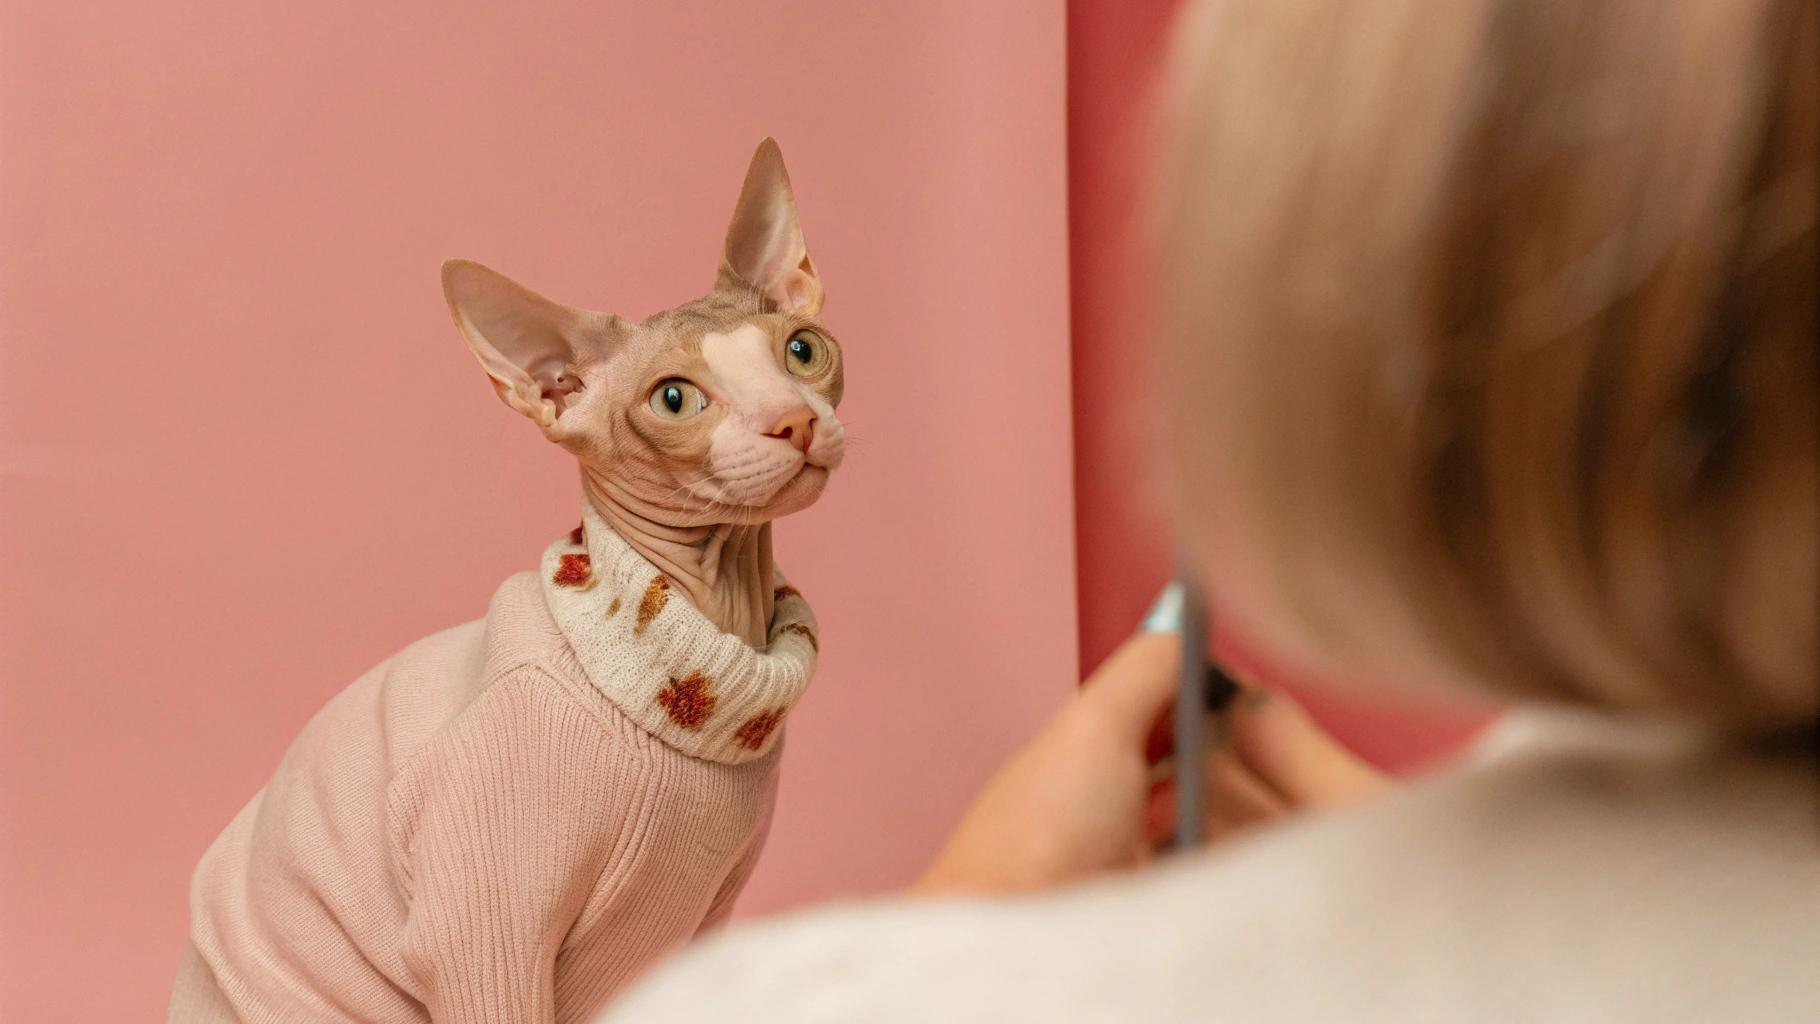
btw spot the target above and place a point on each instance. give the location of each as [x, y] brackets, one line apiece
[765, 248]
[525, 342]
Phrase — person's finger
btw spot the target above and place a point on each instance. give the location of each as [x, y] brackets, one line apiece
[1159, 814]
[1278, 741]
[1133, 685]
[1235, 795]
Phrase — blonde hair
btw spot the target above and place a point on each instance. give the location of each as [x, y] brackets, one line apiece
[1490, 341]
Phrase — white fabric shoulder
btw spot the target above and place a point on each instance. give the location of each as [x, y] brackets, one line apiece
[1558, 883]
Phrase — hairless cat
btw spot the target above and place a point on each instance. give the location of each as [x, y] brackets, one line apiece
[509, 820]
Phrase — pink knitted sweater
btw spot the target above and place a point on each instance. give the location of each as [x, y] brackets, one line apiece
[508, 821]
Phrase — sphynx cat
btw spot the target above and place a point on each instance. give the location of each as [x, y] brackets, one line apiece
[512, 819]
[697, 427]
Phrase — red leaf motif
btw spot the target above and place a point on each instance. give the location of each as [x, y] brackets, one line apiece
[574, 571]
[688, 701]
[803, 629]
[753, 733]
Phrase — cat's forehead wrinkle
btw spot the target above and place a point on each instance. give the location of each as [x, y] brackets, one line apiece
[713, 311]
[685, 326]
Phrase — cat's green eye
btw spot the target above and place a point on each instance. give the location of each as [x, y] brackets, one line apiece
[806, 354]
[677, 399]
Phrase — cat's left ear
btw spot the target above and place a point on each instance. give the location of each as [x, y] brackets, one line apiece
[525, 342]
[765, 248]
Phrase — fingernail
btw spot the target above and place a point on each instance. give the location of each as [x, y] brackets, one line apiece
[1165, 616]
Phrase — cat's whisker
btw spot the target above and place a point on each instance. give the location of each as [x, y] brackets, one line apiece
[712, 514]
[687, 487]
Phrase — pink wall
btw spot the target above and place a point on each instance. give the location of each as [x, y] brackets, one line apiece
[244, 454]
[1124, 549]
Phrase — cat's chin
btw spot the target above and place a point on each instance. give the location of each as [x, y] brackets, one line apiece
[801, 491]
[798, 493]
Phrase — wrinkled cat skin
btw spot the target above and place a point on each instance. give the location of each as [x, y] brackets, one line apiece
[693, 489]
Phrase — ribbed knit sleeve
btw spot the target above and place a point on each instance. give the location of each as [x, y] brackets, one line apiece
[503, 826]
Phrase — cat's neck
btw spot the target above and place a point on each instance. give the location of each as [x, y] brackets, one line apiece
[725, 569]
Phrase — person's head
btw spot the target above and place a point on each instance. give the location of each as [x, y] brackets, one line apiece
[1489, 337]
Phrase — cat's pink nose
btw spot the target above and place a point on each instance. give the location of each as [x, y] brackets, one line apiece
[796, 426]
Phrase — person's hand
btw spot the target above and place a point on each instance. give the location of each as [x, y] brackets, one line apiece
[1081, 798]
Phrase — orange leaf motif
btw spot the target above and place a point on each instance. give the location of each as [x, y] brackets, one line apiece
[649, 605]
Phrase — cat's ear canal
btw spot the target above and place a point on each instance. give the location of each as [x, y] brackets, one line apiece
[765, 248]
[525, 342]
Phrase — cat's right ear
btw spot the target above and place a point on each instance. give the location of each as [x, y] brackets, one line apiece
[525, 342]
[765, 251]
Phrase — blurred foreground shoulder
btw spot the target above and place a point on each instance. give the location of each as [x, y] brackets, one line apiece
[1591, 877]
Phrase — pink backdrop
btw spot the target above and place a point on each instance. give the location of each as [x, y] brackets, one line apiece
[245, 455]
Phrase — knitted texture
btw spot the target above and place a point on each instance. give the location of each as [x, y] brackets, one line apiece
[484, 828]
[656, 657]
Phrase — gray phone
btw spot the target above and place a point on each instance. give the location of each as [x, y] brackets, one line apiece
[1202, 689]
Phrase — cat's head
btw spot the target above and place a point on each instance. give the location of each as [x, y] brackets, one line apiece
[720, 410]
